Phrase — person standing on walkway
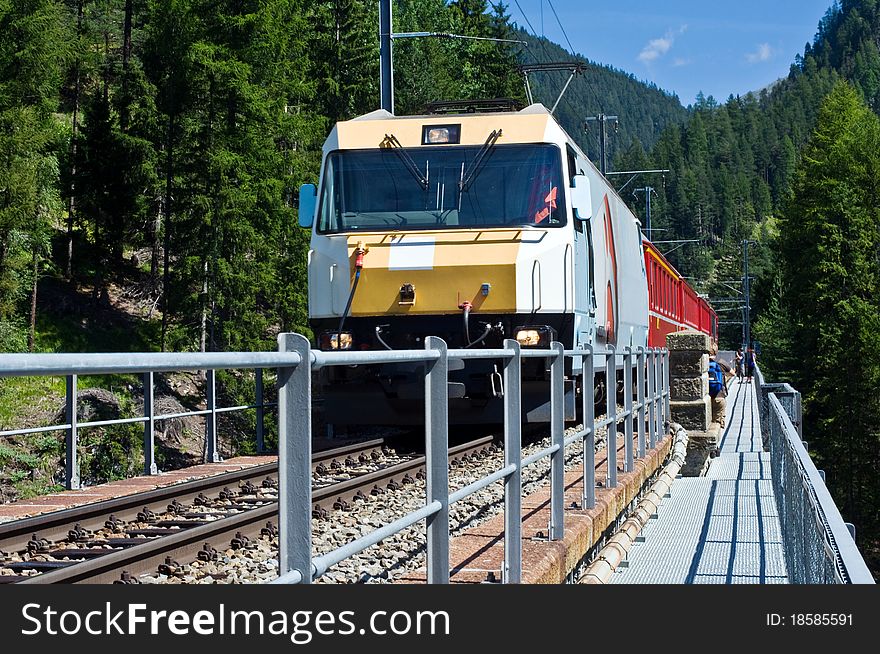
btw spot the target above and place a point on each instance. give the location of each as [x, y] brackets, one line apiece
[750, 363]
[718, 373]
[738, 363]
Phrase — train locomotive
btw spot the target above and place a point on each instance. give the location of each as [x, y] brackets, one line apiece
[475, 227]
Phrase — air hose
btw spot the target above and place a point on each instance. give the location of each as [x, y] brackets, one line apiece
[466, 313]
[358, 265]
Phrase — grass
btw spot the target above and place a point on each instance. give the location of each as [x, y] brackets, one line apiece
[71, 321]
[23, 399]
[32, 464]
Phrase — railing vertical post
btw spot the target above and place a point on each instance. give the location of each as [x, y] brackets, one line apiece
[611, 414]
[589, 440]
[666, 387]
[149, 427]
[628, 463]
[261, 412]
[652, 404]
[437, 459]
[211, 453]
[512, 572]
[557, 435]
[295, 459]
[640, 381]
[658, 391]
[71, 460]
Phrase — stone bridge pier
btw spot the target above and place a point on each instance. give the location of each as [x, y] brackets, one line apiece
[690, 404]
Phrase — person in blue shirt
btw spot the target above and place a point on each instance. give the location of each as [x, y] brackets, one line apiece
[718, 373]
[750, 364]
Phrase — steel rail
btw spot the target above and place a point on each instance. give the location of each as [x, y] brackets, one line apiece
[14, 535]
[186, 544]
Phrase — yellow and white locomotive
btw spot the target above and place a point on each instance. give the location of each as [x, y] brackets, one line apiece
[473, 227]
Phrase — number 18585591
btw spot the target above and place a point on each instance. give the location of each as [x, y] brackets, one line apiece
[810, 620]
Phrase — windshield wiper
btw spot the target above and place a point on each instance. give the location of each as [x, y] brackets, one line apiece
[392, 142]
[471, 173]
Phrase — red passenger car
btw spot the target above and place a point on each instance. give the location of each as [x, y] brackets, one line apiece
[672, 304]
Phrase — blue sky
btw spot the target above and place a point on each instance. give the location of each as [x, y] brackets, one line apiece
[684, 46]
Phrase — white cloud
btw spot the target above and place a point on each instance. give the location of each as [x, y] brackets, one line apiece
[656, 48]
[681, 61]
[763, 53]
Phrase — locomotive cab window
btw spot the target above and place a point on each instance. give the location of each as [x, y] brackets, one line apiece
[442, 187]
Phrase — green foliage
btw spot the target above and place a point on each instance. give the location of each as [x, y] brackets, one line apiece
[433, 69]
[113, 452]
[830, 255]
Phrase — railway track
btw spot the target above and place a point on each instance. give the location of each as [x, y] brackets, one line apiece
[117, 540]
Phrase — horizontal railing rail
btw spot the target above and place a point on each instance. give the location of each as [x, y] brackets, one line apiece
[145, 364]
[819, 546]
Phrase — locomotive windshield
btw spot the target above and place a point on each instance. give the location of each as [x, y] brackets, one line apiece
[442, 187]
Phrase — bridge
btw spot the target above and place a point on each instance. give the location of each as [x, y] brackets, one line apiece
[611, 500]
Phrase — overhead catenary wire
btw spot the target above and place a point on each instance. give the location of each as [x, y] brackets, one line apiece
[547, 56]
[553, 9]
[534, 33]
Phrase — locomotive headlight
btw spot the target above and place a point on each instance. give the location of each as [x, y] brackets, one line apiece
[535, 336]
[336, 341]
[441, 134]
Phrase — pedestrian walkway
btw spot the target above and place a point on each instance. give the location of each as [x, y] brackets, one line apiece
[722, 528]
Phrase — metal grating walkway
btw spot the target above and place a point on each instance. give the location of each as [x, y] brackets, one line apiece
[722, 528]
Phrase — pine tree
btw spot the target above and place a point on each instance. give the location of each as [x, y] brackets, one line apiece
[830, 247]
[33, 53]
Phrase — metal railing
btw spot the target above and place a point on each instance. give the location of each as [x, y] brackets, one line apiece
[644, 416]
[819, 546]
[73, 366]
[649, 410]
